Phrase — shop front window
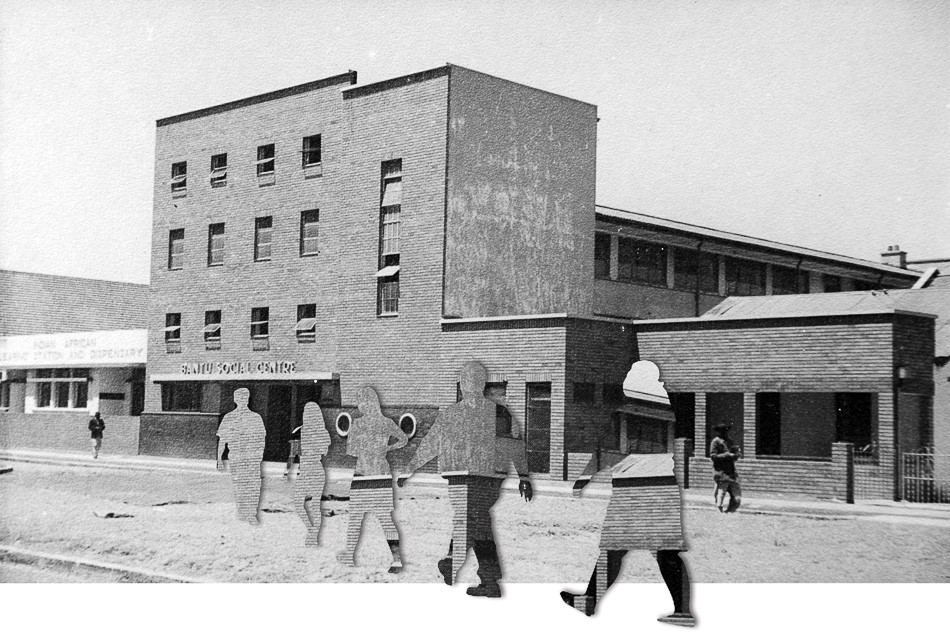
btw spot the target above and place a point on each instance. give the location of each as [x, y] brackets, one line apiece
[62, 388]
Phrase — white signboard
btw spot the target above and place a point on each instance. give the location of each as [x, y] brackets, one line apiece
[100, 348]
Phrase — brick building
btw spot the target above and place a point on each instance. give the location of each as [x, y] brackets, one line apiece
[329, 236]
[70, 347]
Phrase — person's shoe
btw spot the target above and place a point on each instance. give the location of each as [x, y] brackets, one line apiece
[580, 602]
[488, 590]
[676, 618]
[395, 568]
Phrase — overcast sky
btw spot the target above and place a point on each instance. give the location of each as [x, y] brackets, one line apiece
[824, 124]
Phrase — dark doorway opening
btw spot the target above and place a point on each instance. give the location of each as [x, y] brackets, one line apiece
[768, 424]
[853, 419]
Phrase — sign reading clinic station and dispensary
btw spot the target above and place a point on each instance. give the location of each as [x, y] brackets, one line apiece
[105, 348]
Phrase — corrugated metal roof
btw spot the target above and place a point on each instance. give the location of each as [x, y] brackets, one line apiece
[931, 301]
[35, 304]
[712, 233]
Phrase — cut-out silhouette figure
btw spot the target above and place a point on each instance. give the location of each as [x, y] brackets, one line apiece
[644, 512]
[242, 432]
[724, 454]
[475, 461]
[311, 472]
[373, 490]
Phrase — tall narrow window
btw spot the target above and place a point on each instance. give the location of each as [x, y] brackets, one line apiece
[311, 151]
[212, 330]
[694, 270]
[265, 159]
[390, 210]
[744, 277]
[4, 395]
[306, 323]
[309, 232]
[260, 326]
[219, 170]
[176, 249]
[601, 256]
[263, 229]
[216, 244]
[179, 176]
[538, 426]
[641, 261]
[173, 332]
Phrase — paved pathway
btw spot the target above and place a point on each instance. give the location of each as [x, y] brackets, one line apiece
[877, 510]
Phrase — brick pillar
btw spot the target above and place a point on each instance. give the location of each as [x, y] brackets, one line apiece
[887, 453]
[842, 457]
[682, 448]
[748, 425]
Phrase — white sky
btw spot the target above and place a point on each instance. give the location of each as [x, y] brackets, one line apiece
[818, 123]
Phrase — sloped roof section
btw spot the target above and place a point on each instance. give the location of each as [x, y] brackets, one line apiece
[33, 304]
[930, 301]
[712, 233]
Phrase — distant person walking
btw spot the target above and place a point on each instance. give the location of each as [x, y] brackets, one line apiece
[96, 427]
[724, 454]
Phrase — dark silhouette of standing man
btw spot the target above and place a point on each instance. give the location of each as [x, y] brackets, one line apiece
[242, 432]
[475, 461]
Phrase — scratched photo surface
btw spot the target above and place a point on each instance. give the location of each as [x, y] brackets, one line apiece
[476, 294]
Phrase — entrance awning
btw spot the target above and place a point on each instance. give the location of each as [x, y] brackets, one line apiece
[643, 410]
[301, 376]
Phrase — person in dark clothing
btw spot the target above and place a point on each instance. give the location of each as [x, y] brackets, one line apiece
[724, 454]
[96, 427]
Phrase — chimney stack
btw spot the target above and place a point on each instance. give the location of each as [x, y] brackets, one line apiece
[894, 256]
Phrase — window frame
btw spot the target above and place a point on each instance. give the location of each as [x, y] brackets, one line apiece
[262, 159]
[219, 173]
[176, 260]
[305, 150]
[306, 326]
[216, 233]
[212, 337]
[315, 223]
[390, 223]
[60, 389]
[695, 276]
[639, 270]
[179, 181]
[260, 319]
[737, 273]
[170, 398]
[602, 265]
[259, 225]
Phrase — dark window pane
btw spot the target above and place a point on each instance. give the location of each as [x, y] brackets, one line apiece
[744, 277]
[641, 261]
[601, 256]
[311, 150]
[265, 159]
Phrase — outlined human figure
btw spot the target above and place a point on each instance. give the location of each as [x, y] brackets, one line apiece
[644, 512]
[311, 471]
[724, 454]
[475, 461]
[373, 490]
[242, 432]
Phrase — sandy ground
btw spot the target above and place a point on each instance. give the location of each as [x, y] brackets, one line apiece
[185, 523]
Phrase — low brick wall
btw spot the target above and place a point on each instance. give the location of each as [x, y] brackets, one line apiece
[832, 478]
[62, 431]
[180, 435]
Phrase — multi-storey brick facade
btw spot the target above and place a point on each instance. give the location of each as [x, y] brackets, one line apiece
[456, 221]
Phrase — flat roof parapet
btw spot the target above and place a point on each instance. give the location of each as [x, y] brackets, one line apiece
[340, 79]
